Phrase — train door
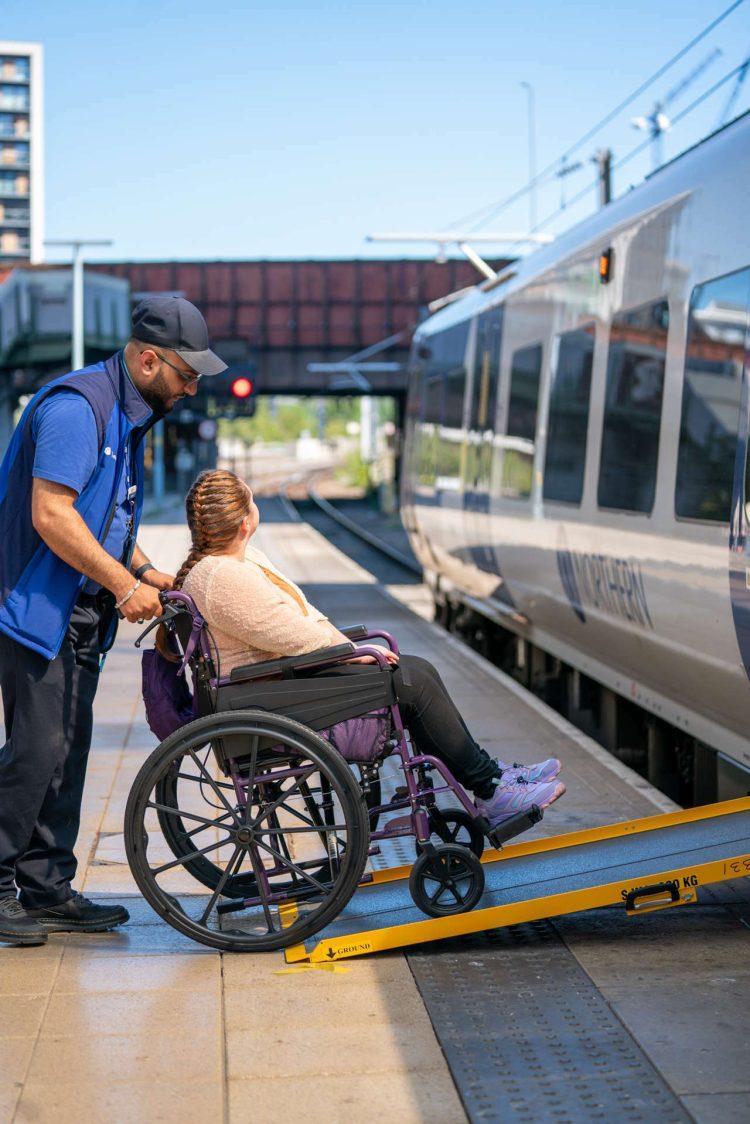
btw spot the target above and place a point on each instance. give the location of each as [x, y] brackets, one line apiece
[480, 442]
[713, 475]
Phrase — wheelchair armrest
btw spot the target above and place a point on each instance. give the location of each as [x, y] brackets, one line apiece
[355, 631]
[290, 663]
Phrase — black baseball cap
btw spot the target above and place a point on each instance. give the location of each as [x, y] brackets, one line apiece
[177, 324]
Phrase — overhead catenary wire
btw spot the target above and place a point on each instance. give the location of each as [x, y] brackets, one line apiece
[639, 148]
[476, 219]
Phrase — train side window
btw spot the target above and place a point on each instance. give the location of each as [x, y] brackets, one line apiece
[518, 443]
[711, 395]
[632, 408]
[565, 455]
[486, 371]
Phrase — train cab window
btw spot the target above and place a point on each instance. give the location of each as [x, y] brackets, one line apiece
[711, 394]
[518, 443]
[632, 408]
[565, 456]
[438, 443]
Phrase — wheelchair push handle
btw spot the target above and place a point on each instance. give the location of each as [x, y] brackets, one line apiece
[170, 612]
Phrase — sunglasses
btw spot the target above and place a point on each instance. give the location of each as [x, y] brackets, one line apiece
[187, 378]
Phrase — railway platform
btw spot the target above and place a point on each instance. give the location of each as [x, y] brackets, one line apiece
[591, 1016]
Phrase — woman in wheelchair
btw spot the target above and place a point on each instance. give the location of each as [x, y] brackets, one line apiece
[256, 614]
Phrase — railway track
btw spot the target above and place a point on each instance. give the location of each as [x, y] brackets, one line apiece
[391, 564]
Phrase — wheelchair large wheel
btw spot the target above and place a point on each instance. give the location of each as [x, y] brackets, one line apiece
[277, 849]
[178, 833]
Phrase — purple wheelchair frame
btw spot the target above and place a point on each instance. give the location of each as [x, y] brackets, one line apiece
[419, 797]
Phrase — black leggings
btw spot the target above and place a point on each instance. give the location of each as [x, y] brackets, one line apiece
[434, 722]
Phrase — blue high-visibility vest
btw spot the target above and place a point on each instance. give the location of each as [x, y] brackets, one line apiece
[37, 589]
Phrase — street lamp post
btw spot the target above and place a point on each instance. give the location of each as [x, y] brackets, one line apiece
[77, 333]
[531, 106]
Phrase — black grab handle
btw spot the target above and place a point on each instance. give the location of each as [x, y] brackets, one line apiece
[649, 891]
[170, 612]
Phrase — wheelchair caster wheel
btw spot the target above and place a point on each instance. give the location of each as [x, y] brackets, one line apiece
[454, 825]
[448, 879]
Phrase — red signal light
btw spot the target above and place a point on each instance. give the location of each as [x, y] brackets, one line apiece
[242, 388]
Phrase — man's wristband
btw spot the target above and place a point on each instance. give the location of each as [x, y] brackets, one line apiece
[144, 569]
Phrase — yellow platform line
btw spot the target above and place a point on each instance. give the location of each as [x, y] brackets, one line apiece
[687, 880]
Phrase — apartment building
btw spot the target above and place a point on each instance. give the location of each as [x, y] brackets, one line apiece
[21, 153]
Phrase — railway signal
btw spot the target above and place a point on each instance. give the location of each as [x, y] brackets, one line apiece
[233, 392]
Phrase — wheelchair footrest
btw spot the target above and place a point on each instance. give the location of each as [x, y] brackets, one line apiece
[514, 825]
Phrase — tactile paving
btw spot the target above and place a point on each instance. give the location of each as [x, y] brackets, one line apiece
[529, 1038]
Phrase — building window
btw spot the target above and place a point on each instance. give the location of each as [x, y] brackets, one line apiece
[9, 242]
[565, 456]
[7, 183]
[632, 408]
[13, 97]
[15, 68]
[518, 456]
[711, 393]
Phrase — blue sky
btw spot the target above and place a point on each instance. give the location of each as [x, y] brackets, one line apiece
[183, 129]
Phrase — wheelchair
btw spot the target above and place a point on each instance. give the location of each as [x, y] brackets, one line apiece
[247, 830]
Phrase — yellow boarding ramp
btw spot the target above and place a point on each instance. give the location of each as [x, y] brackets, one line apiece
[643, 865]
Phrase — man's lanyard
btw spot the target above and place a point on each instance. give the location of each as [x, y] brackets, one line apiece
[131, 485]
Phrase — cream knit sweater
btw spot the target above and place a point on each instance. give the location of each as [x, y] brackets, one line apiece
[250, 617]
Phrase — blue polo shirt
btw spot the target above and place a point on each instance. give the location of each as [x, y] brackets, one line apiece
[67, 452]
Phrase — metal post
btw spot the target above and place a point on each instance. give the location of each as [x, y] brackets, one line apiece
[77, 342]
[603, 159]
[530, 98]
[77, 337]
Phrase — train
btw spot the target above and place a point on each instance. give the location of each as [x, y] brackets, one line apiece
[575, 478]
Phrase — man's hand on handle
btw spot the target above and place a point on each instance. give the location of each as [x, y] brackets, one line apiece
[144, 605]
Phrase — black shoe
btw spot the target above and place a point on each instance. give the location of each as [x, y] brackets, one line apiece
[16, 926]
[79, 915]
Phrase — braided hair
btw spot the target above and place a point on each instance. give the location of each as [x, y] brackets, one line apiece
[215, 506]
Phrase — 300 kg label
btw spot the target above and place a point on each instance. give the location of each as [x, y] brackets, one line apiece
[688, 881]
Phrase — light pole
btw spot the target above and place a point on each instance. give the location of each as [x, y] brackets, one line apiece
[530, 101]
[77, 334]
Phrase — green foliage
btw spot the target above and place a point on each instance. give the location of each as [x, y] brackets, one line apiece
[282, 420]
[355, 472]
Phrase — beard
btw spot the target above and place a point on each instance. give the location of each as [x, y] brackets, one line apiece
[157, 396]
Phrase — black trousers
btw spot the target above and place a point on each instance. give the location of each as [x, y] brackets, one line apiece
[48, 708]
[435, 723]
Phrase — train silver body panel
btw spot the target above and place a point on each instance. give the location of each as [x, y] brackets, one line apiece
[653, 605]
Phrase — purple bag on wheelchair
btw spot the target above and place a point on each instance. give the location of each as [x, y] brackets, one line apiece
[360, 739]
[166, 695]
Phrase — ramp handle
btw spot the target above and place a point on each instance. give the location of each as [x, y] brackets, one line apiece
[631, 901]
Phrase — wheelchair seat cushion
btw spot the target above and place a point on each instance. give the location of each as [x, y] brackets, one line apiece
[360, 739]
[166, 695]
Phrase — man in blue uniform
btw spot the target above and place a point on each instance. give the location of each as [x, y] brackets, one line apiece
[71, 491]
